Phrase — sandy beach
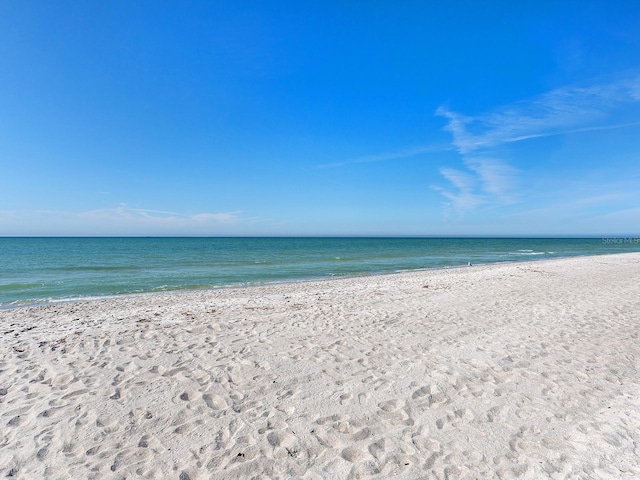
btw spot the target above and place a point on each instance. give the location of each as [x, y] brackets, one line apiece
[522, 370]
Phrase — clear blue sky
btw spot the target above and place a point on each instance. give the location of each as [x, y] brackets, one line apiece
[319, 118]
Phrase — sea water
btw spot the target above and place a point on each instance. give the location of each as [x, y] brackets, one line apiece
[39, 270]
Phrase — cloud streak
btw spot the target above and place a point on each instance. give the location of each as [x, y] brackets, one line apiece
[484, 182]
[464, 183]
[489, 180]
[120, 220]
[565, 110]
[398, 155]
[124, 214]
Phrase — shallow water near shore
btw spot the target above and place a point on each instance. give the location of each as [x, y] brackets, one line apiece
[36, 270]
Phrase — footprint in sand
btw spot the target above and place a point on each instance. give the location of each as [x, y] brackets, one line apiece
[328, 437]
[392, 412]
[107, 424]
[281, 438]
[353, 454]
[214, 402]
[188, 395]
[345, 398]
[425, 444]
[429, 396]
[497, 414]
[378, 449]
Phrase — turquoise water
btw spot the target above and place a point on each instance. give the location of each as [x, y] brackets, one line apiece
[36, 270]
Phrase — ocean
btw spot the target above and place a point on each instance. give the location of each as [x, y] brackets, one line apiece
[42, 270]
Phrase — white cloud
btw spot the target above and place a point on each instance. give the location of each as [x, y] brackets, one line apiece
[216, 217]
[491, 180]
[120, 220]
[552, 113]
[125, 215]
[497, 178]
[461, 180]
[383, 157]
[463, 198]
[487, 181]
[122, 213]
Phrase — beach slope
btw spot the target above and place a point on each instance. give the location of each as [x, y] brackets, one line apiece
[523, 370]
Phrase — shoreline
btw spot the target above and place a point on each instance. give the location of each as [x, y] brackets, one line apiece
[507, 370]
[58, 301]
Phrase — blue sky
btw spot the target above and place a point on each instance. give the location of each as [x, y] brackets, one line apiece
[326, 118]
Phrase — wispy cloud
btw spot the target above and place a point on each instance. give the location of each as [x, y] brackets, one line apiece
[492, 180]
[560, 111]
[216, 217]
[124, 214]
[383, 157]
[497, 178]
[486, 181]
[121, 219]
[463, 198]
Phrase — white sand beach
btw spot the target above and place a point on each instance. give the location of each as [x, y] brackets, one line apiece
[523, 370]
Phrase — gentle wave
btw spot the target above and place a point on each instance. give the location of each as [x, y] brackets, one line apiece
[36, 270]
